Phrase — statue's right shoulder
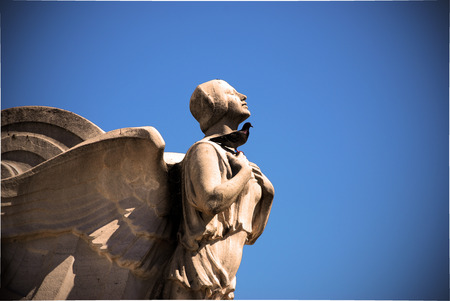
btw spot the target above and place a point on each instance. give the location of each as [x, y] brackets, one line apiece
[204, 151]
[205, 145]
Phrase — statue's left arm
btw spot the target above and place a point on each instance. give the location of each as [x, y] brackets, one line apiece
[262, 210]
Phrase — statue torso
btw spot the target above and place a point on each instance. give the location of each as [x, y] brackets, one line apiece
[216, 240]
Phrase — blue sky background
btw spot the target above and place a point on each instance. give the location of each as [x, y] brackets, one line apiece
[349, 104]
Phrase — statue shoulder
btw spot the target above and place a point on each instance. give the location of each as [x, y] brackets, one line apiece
[205, 150]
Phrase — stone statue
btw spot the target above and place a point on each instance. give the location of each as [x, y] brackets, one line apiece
[94, 215]
[226, 201]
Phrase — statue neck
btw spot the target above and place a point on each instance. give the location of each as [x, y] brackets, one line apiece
[222, 128]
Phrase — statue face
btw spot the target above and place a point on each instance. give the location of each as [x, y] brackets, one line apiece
[215, 100]
[237, 106]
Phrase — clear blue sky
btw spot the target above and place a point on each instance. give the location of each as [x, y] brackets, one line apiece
[349, 104]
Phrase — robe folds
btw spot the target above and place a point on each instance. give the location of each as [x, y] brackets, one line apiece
[196, 264]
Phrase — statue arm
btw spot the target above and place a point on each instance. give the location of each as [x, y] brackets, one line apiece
[262, 211]
[213, 195]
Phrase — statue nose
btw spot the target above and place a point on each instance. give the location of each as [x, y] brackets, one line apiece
[242, 97]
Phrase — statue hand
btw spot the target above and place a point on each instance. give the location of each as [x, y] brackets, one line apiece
[238, 162]
[265, 184]
[255, 169]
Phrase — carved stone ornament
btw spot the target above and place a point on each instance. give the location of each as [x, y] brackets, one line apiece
[94, 215]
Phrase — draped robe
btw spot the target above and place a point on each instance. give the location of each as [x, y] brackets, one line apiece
[204, 263]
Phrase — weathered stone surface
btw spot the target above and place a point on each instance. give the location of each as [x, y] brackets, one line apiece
[34, 134]
[64, 268]
[226, 201]
[111, 194]
[94, 215]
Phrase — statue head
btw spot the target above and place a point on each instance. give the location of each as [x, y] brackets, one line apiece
[216, 100]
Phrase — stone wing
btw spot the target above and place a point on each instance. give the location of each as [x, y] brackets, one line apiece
[111, 194]
[34, 134]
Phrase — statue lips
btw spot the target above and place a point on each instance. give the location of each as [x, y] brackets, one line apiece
[234, 139]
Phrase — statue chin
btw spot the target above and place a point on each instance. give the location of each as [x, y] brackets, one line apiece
[246, 115]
